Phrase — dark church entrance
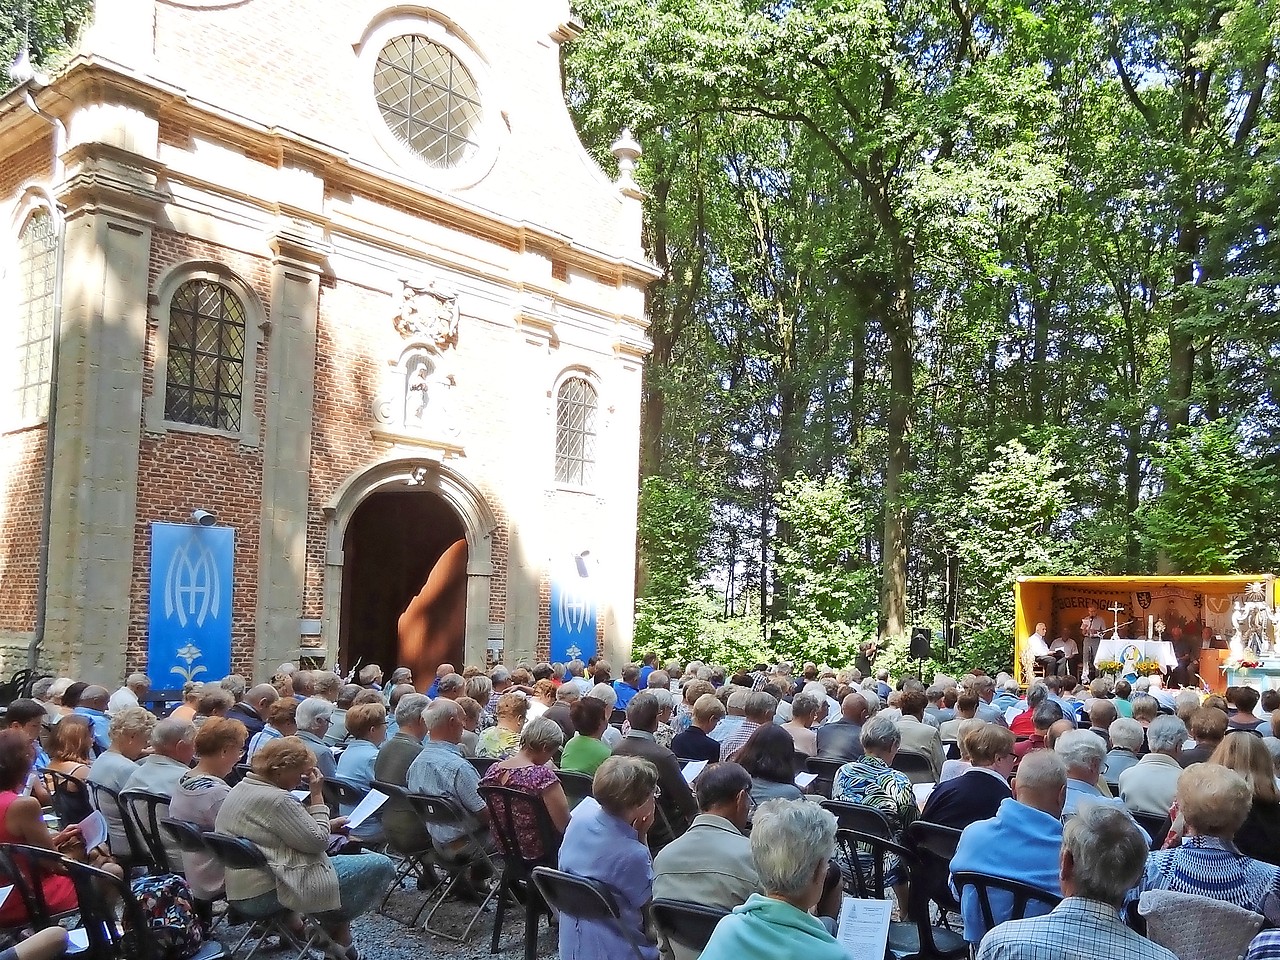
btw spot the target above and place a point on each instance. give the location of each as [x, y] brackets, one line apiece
[404, 584]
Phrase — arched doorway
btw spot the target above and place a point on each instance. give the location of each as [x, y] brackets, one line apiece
[404, 583]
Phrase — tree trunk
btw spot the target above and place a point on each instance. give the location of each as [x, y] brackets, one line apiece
[893, 583]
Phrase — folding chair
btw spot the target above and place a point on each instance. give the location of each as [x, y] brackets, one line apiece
[25, 867]
[146, 810]
[577, 786]
[237, 853]
[129, 938]
[69, 796]
[935, 845]
[440, 811]
[688, 924]
[1021, 895]
[1156, 826]
[407, 838]
[137, 856]
[582, 898]
[826, 769]
[915, 765]
[519, 857]
[859, 816]
[339, 792]
[916, 938]
[189, 838]
[482, 764]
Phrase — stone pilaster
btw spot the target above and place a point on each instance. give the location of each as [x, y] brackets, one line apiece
[300, 255]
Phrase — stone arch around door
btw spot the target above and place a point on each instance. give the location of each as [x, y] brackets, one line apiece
[404, 474]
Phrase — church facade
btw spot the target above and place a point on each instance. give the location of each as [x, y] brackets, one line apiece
[323, 338]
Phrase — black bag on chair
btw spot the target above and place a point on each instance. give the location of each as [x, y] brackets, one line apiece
[170, 909]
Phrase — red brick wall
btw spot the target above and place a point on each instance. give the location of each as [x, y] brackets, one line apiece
[21, 502]
[22, 452]
[179, 472]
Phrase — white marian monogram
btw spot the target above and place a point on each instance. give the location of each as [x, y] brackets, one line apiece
[192, 588]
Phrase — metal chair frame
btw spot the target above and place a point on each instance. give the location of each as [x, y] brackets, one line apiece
[577, 786]
[444, 812]
[517, 869]
[583, 898]
[137, 855]
[826, 768]
[414, 861]
[688, 924]
[1023, 894]
[147, 822]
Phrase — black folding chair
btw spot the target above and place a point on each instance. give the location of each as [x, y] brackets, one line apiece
[1156, 825]
[520, 856]
[935, 845]
[859, 816]
[189, 839]
[444, 812]
[26, 867]
[406, 837]
[826, 769]
[1022, 894]
[137, 856]
[146, 810]
[129, 937]
[68, 795]
[617, 718]
[585, 899]
[914, 939]
[577, 786]
[482, 764]
[339, 792]
[915, 765]
[237, 853]
[688, 924]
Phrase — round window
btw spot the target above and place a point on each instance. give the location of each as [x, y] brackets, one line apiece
[428, 99]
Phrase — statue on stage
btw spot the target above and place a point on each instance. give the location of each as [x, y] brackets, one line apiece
[1252, 621]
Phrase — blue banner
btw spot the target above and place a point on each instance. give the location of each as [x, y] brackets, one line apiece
[189, 625]
[573, 613]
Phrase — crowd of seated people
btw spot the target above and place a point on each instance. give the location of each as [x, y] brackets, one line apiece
[1030, 779]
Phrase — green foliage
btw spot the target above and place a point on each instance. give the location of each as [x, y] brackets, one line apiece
[47, 27]
[1210, 514]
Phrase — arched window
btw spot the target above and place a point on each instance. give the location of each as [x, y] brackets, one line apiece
[575, 432]
[205, 383]
[37, 274]
[429, 100]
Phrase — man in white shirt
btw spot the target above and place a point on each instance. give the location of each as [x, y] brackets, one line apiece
[1040, 652]
[1065, 648]
[135, 687]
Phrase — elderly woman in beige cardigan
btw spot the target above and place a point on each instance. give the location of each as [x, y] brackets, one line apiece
[295, 837]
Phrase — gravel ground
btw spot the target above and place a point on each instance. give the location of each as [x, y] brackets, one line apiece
[389, 937]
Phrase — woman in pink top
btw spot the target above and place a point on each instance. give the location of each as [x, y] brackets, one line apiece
[21, 822]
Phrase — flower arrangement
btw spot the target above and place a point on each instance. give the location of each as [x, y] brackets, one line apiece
[1109, 666]
[1147, 668]
[1247, 662]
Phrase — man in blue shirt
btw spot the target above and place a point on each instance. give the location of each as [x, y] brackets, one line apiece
[442, 671]
[93, 704]
[648, 663]
[628, 686]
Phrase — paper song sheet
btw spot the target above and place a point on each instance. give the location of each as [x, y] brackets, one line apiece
[922, 792]
[692, 769]
[804, 778]
[863, 930]
[93, 829]
[366, 808]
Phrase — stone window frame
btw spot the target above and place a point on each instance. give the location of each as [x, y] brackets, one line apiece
[588, 377]
[34, 201]
[255, 317]
[489, 133]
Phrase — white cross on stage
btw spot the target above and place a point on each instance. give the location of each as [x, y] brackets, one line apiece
[1115, 609]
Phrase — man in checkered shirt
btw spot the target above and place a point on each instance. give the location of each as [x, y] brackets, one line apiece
[1103, 855]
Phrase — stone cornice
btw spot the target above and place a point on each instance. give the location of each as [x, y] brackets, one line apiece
[94, 79]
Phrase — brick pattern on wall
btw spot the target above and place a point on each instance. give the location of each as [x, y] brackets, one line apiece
[22, 452]
[21, 506]
[179, 472]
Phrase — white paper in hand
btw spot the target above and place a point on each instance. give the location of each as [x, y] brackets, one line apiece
[4, 893]
[692, 769]
[804, 778]
[77, 940]
[302, 796]
[366, 808]
[864, 927]
[922, 792]
[93, 829]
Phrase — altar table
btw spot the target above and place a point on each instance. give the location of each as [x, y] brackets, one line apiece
[1161, 651]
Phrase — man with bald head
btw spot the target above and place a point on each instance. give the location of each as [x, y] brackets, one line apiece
[254, 706]
[442, 671]
[842, 739]
[1021, 842]
[93, 706]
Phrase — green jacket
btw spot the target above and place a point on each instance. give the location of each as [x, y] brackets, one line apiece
[766, 929]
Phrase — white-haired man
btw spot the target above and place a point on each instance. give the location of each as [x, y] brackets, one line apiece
[136, 686]
[1103, 855]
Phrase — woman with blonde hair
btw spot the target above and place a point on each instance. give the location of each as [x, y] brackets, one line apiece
[544, 697]
[294, 837]
[1213, 802]
[503, 739]
[191, 691]
[1247, 755]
